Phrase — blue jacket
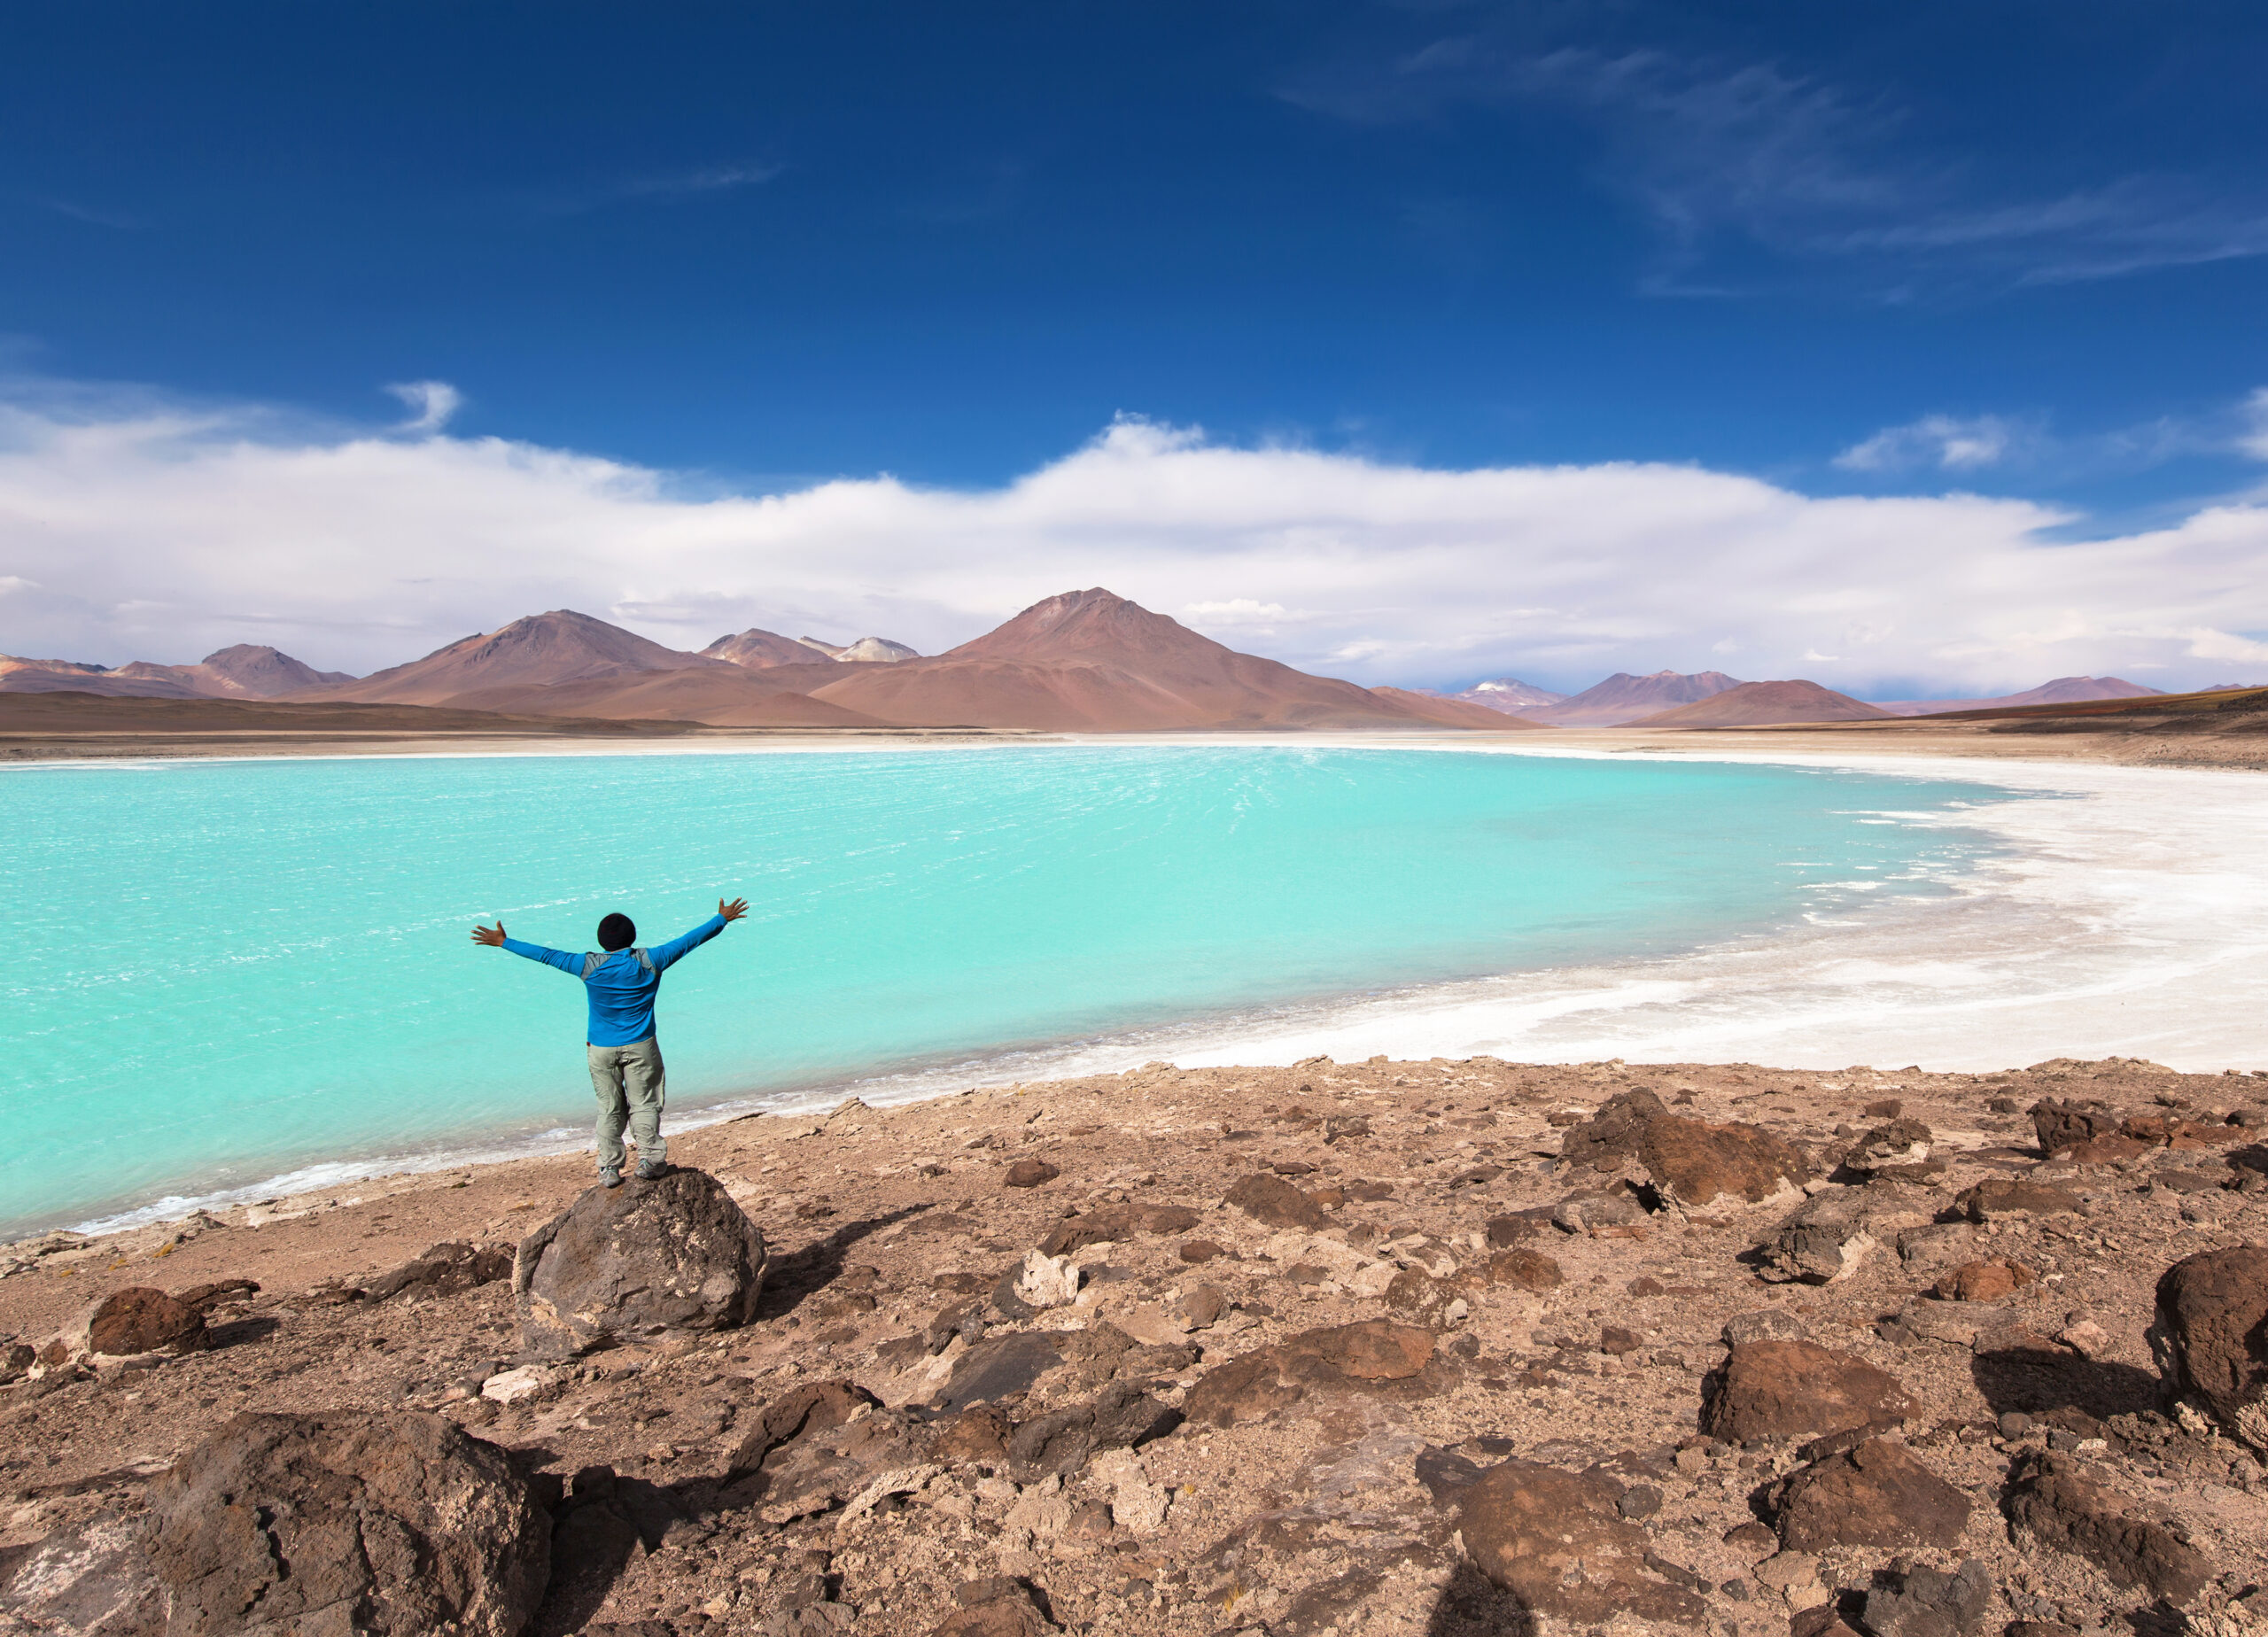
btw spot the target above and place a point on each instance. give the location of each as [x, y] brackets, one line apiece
[622, 989]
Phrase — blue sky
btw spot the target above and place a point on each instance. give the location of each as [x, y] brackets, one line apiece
[2017, 250]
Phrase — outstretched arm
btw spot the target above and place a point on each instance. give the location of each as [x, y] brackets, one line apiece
[689, 942]
[490, 937]
[493, 938]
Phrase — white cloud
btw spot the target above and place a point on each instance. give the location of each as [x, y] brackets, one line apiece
[430, 404]
[1944, 441]
[161, 534]
[2254, 439]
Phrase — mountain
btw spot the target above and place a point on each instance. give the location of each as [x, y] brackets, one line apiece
[58, 676]
[2061, 691]
[875, 651]
[1093, 662]
[1759, 704]
[539, 650]
[756, 649]
[828, 649]
[721, 697]
[1453, 712]
[1508, 694]
[244, 672]
[1623, 698]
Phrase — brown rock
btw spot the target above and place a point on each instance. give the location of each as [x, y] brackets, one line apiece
[395, 1525]
[1114, 1222]
[1273, 1200]
[1929, 1602]
[2071, 1513]
[637, 1263]
[1198, 1250]
[1530, 1270]
[1556, 1542]
[445, 1270]
[2117, 1148]
[2059, 1124]
[142, 1320]
[1614, 1134]
[1998, 1197]
[1695, 1162]
[1202, 1307]
[815, 1406]
[1883, 1108]
[1502, 1231]
[1030, 1174]
[1795, 1389]
[1618, 1340]
[1984, 1281]
[2211, 1335]
[1901, 1142]
[204, 1298]
[1374, 1353]
[1004, 1617]
[1875, 1494]
[979, 1433]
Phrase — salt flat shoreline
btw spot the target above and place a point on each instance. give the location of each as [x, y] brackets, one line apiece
[1561, 1320]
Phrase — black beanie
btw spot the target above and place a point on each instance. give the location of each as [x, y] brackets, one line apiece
[616, 932]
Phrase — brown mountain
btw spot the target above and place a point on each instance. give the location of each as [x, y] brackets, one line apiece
[1093, 662]
[1623, 698]
[1508, 694]
[723, 697]
[540, 650]
[60, 676]
[245, 672]
[756, 649]
[2061, 691]
[1757, 705]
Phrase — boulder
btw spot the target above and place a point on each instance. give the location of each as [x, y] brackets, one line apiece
[2062, 1510]
[1376, 1356]
[1830, 1237]
[845, 1448]
[445, 1270]
[2059, 1124]
[1114, 1222]
[1030, 1174]
[636, 1263]
[815, 1405]
[1795, 1389]
[1874, 1495]
[1899, 1143]
[1997, 1199]
[1996, 1280]
[394, 1524]
[1558, 1542]
[1696, 1163]
[2211, 1335]
[1610, 1138]
[1273, 1200]
[140, 1320]
[1593, 1209]
[1930, 1603]
[1121, 1416]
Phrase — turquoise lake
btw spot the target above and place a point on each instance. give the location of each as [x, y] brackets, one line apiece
[228, 973]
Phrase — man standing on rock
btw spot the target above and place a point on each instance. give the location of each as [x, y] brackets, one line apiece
[625, 1058]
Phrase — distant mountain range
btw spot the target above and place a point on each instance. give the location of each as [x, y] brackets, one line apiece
[1085, 660]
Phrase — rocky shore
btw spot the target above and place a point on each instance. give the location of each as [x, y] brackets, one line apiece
[1427, 1347]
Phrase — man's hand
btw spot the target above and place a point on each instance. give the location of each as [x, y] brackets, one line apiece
[731, 911]
[491, 937]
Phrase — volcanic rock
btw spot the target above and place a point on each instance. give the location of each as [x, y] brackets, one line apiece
[2211, 1335]
[1930, 1603]
[445, 1270]
[1997, 1199]
[1984, 1281]
[1373, 1356]
[1030, 1174]
[817, 1404]
[636, 1263]
[1113, 1223]
[1874, 1494]
[1795, 1389]
[2059, 1124]
[1273, 1200]
[1900, 1143]
[1558, 1542]
[2071, 1513]
[142, 1320]
[1829, 1236]
[1530, 1270]
[396, 1524]
[1694, 1162]
[1121, 1416]
[1612, 1136]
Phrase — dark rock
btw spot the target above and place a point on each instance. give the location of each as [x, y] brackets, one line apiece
[204, 1298]
[1640, 1500]
[1503, 1231]
[1901, 1142]
[1596, 1208]
[142, 1320]
[1998, 1197]
[637, 1263]
[2211, 1335]
[1202, 1307]
[825, 1464]
[1883, 1108]
[1343, 1128]
[1114, 1222]
[1875, 1494]
[2060, 1124]
[1374, 1356]
[813, 1406]
[1121, 1416]
[1618, 1340]
[1929, 1602]
[1793, 1389]
[1558, 1542]
[1830, 1235]
[998, 1368]
[2069, 1512]
[978, 1434]
[964, 1318]
[391, 1524]
[1273, 1200]
[1996, 1280]
[1765, 1324]
[445, 1270]
[1694, 1162]
[1610, 1137]
[1198, 1250]
[1030, 1174]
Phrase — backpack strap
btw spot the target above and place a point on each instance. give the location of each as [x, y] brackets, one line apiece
[591, 963]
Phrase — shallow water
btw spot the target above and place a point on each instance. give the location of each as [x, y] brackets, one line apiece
[231, 971]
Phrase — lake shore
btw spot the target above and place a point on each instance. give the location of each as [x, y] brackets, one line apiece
[1563, 1321]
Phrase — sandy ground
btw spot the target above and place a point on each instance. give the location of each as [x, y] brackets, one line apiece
[1336, 1513]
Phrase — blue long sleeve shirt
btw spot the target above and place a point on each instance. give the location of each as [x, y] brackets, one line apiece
[622, 991]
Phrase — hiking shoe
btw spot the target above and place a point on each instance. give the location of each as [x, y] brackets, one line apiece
[649, 1170]
[611, 1179]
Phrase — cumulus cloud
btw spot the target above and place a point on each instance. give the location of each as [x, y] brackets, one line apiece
[430, 404]
[145, 533]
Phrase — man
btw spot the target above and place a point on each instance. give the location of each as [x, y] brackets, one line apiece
[626, 1059]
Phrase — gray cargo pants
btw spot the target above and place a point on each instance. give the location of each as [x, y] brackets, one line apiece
[631, 1092]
